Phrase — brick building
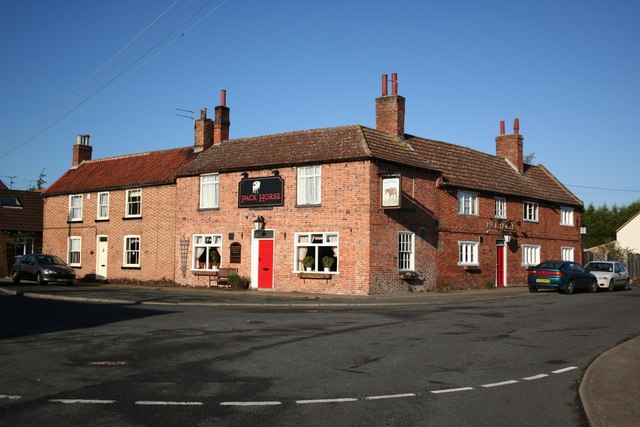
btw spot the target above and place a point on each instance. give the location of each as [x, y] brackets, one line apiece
[385, 210]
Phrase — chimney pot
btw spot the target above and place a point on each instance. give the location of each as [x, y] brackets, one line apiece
[516, 126]
[394, 84]
[223, 98]
[203, 113]
[501, 127]
[385, 84]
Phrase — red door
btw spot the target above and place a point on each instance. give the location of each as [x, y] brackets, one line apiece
[265, 264]
[500, 266]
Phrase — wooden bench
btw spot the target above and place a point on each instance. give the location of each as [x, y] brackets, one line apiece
[221, 276]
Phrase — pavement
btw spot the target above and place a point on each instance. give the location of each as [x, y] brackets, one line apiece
[610, 387]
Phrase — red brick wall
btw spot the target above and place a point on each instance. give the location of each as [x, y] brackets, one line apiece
[155, 228]
[547, 232]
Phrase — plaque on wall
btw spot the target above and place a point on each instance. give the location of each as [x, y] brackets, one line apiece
[235, 253]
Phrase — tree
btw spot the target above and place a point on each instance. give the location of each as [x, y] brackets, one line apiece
[40, 182]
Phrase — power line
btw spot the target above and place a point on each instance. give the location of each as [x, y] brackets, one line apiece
[603, 189]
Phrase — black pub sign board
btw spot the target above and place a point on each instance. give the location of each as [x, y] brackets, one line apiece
[261, 192]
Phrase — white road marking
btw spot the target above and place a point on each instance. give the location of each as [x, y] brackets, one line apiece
[6, 396]
[89, 401]
[451, 390]
[167, 403]
[265, 403]
[339, 400]
[535, 377]
[500, 384]
[391, 396]
[559, 371]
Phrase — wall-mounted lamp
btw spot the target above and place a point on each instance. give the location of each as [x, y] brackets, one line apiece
[258, 223]
[583, 230]
[507, 237]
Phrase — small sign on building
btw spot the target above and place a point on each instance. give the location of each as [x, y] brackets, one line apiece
[391, 192]
[261, 192]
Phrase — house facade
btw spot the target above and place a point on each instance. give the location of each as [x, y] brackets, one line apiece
[343, 210]
[628, 235]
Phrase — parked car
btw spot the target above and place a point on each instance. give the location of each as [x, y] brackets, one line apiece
[42, 268]
[564, 276]
[610, 274]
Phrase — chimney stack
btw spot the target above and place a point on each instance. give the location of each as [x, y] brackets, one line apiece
[221, 122]
[510, 146]
[81, 151]
[203, 132]
[390, 108]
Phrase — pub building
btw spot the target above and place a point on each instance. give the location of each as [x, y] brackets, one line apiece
[341, 210]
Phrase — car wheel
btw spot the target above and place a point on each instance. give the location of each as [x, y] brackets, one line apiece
[15, 277]
[571, 287]
[39, 279]
[533, 289]
[611, 286]
[594, 286]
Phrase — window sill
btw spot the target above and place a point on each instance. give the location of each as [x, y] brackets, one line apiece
[102, 220]
[74, 221]
[310, 205]
[471, 267]
[128, 218]
[216, 208]
[130, 267]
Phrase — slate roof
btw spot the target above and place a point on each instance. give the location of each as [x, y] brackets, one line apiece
[135, 170]
[461, 167]
[25, 217]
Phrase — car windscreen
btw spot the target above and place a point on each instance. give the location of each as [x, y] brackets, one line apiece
[600, 266]
[49, 260]
[551, 264]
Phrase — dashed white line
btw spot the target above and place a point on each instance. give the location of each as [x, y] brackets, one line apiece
[451, 390]
[559, 371]
[82, 401]
[339, 400]
[167, 403]
[500, 384]
[6, 396]
[266, 403]
[535, 377]
[391, 396]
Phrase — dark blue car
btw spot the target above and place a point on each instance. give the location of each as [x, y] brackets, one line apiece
[563, 276]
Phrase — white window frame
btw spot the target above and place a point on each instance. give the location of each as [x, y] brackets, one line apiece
[567, 253]
[530, 211]
[73, 250]
[75, 210]
[500, 210]
[208, 243]
[309, 185]
[305, 242]
[566, 216]
[129, 202]
[406, 251]
[468, 253]
[467, 203]
[102, 211]
[530, 255]
[127, 250]
[209, 191]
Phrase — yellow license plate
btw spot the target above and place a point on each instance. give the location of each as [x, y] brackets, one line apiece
[543, 280]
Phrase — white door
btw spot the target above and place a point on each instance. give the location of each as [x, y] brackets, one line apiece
[102, 257]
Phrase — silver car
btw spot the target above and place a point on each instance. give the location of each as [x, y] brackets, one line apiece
[610, 274]
[42, 269]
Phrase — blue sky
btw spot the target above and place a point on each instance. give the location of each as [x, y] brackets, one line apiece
[567, 69]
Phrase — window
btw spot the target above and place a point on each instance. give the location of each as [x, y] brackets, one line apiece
[468, 253]
[206, 251]
[75, 207]
[501, 208]
[566, 253]
[75, 247]
[209, 188]
[134, 203]
[530, 254]
[467, 203]
[566, 216]
[103, 205]
[316, 252]
[309, 185]
[405, 251]
[530, 211]
[131, 251]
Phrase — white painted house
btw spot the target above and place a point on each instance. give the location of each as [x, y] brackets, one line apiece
[628, 235]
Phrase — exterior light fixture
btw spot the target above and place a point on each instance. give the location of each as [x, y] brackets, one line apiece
[583, 230]
[507, 237]
[258, 223]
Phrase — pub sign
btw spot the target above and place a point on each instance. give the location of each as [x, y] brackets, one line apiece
[261, 192]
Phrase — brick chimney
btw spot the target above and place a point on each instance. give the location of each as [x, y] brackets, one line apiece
[81, 151]
[510, 146]
[221, 122]
[390, 108]
[203, 132]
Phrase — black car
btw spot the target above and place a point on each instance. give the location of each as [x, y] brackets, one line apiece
[42, 269]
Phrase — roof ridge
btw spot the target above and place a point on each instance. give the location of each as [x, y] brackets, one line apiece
[127, 156]
[301, 131]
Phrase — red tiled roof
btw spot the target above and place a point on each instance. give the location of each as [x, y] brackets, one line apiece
[461, 167]
[135, 170]
[27, 217]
